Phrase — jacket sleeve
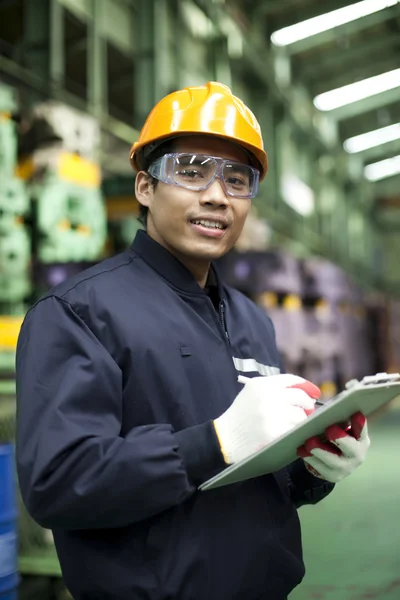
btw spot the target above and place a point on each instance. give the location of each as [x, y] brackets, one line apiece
[75, 470]
[304, 487]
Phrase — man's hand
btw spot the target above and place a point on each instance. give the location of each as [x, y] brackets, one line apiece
[266, 408]
[343, 451]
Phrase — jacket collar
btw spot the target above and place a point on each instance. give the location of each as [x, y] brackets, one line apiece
[169, 267]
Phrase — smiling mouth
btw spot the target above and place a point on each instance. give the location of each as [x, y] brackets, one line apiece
[209, 224]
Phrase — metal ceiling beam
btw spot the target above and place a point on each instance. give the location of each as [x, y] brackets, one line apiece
[7, 3]
[76, 46]
[45, 89]
[56, 43]
[326, 80]
[362, 106]
[386, 227]
[96, 63]
[115, 20]
[312, 67]
[387, 187]
[118, 164]
[347, 29]
[82, 9]
[277, 7]
[124, 80]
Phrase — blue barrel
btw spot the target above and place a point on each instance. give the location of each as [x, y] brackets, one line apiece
[9, 578]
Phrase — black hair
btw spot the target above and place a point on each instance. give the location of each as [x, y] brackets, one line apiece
[142, 218]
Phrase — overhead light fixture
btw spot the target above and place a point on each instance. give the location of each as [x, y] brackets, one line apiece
[364, 141]
[383, 169]
[330, 20]
[297, 194]
[359, 90]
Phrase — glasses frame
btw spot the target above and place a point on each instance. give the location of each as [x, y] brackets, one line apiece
[158, 170]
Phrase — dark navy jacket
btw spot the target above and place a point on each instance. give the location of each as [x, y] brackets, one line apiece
[120, 372]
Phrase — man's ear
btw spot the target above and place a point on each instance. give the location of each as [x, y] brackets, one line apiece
[143, 188]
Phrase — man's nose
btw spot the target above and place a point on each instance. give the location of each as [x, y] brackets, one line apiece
[214, 194]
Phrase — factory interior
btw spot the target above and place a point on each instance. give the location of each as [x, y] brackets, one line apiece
[320, 248]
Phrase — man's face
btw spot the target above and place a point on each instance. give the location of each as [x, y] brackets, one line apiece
[173, 210]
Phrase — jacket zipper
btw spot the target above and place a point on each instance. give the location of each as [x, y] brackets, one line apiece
[222, 319]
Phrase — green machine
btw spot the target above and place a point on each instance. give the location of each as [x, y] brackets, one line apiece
[14, 207]
[8, 138]
[59, 164]
[15, 244]
[71, 221]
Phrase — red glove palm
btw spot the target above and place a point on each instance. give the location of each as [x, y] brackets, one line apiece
[343, 451]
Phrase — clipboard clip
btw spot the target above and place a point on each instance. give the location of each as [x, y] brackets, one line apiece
[378, 378]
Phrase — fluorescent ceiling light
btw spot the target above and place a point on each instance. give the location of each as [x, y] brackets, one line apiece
[297, 194]
[335, 18]
[364, 141]
[358, 91]
[383, 169]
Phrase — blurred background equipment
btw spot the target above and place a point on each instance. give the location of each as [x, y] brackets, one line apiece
[15, 251]
[58, 161]
[320, 249]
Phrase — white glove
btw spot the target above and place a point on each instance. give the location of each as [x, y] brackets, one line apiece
[266, 408]
[340, 453]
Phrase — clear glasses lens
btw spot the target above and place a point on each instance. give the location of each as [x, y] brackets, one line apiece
[239, 179]
[194, 171]
[197, 171]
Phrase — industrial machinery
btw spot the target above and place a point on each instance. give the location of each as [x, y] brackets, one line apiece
[15, 250]
[58, 162]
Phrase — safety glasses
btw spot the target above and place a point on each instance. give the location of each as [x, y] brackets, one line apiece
[198, 171]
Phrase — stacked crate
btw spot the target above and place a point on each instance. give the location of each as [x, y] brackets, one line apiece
[319, 314]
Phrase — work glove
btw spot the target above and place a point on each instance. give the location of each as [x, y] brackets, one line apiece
[265, 409]
[343, 450]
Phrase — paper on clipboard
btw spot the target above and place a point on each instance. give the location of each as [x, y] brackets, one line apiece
[366, 396]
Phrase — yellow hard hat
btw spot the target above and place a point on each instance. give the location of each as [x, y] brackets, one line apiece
[210, 109]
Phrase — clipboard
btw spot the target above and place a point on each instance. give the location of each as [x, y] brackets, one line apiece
[367, 396]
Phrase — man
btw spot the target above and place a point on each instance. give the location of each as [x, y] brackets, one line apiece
[128, 392]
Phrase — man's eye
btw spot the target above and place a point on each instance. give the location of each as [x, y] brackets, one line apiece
[236, 181]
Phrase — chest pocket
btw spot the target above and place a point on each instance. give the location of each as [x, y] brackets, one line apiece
[208, 374]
